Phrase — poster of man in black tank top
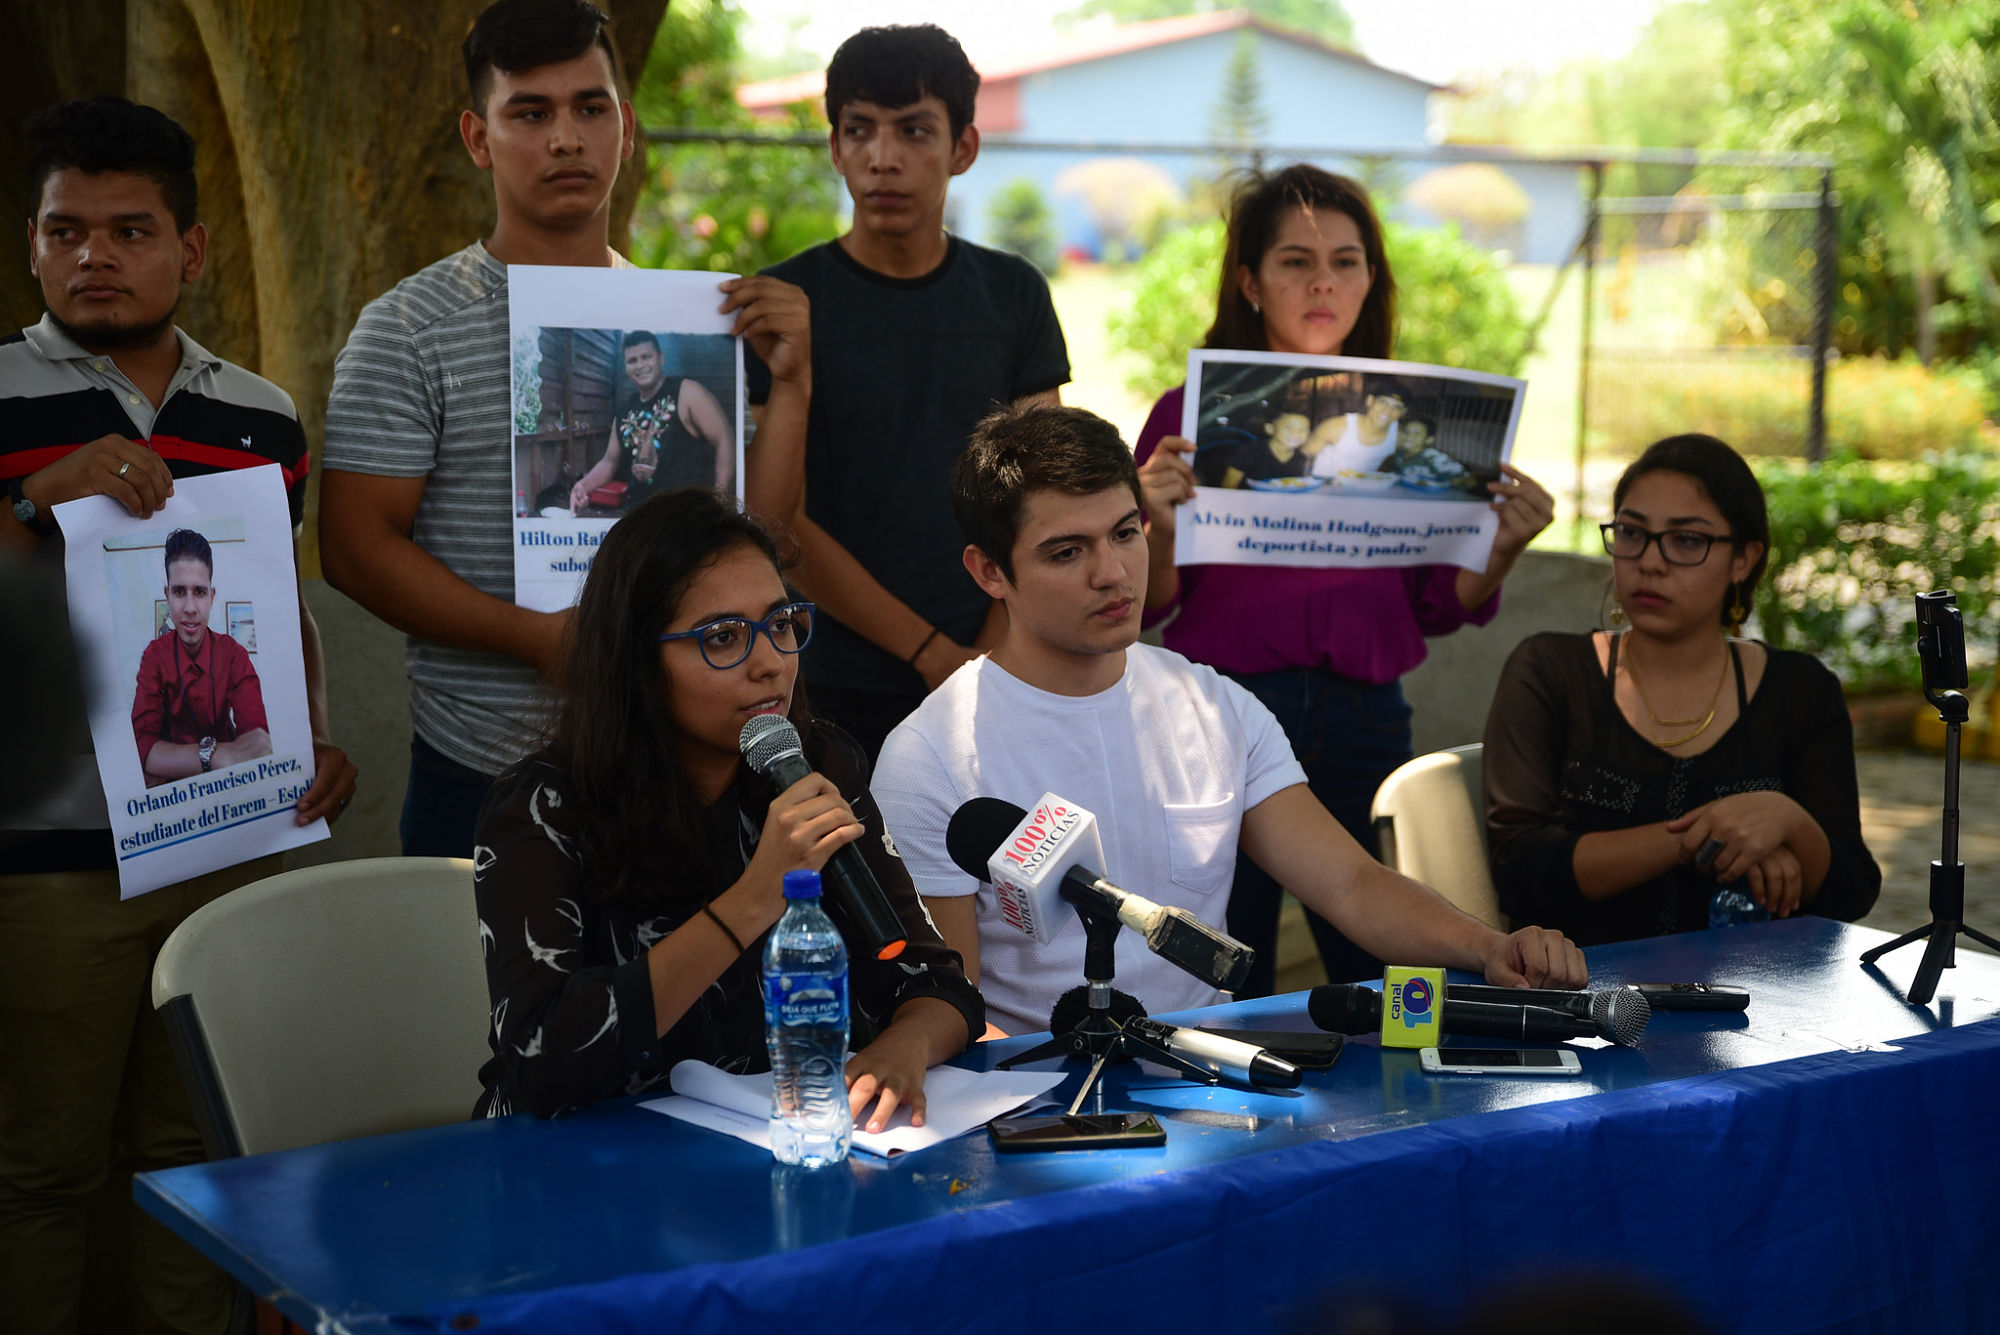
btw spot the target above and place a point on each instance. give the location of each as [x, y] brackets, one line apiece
[672, 433]
[625, 384]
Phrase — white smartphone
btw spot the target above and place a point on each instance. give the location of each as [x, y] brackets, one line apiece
[1500, 1061]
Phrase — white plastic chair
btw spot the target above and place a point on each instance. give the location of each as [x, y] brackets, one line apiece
[329, 1002]
[1430, 817]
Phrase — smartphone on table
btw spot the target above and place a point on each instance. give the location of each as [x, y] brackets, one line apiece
[1500, 1061]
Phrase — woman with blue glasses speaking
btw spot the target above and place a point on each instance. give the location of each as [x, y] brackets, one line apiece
[1666, 775]
[628, 872]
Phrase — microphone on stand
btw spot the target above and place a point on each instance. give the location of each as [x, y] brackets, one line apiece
[1036, 861]
[770, 744]
[1617, 1014]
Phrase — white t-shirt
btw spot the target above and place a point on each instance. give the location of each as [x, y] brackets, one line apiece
[1168, 760]
[1351, 453]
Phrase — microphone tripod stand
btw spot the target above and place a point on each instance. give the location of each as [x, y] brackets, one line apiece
[1102, 1037]
[1947, 873]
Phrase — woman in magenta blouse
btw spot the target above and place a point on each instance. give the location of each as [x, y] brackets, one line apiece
[1324, 649]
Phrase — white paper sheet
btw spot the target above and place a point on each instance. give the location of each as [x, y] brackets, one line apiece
[955, 1101]
[1416, 497]
[118, 607]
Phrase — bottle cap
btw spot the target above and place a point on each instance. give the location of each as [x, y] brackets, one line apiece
[801, 885]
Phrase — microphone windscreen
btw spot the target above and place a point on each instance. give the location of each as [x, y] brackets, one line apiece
[976, 829]
[1621, 1014]
[765, 738]
[1344, 1008]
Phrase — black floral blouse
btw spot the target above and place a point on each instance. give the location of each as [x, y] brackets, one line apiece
[566, 965]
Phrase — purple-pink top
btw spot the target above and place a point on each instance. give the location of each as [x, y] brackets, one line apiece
[1365, 624]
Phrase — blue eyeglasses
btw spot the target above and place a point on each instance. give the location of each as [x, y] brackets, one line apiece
[727, 641]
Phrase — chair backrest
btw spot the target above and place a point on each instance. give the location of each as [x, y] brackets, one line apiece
[333, 1001]
[1429, 815]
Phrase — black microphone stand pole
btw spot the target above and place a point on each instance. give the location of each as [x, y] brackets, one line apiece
[1101, 1034]
[1947, 873]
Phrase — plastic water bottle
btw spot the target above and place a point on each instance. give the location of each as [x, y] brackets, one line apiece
[805, 1026]
[1730, 905]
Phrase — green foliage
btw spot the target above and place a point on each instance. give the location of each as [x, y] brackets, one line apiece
[1876, 409]
[1171, 305]
[1022, 223]
[728, 208]
[1325, 19]
[1853, 543]
[1666, 93]
[1902, 96]
[1455, 306]
[1239, 116]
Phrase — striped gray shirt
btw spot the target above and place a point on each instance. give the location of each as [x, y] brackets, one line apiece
[421, 390]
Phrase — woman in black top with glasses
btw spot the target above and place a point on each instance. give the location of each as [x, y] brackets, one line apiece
[1630, 773]
[627, 874]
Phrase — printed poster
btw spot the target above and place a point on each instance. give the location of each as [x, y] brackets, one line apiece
[625, 383]
[188, 625]
[1342, 461]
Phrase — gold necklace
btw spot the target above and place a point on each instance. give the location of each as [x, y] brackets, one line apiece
[1632, 671]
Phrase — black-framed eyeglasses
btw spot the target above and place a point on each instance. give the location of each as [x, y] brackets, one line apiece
[1679, 546]
[727, 641]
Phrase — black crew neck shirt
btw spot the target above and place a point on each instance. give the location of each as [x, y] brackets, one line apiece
[903, 369]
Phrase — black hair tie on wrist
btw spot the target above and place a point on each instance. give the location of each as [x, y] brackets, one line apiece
[734, 940]
[919, 653]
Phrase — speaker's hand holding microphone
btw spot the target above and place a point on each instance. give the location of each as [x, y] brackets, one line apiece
[820, 828]
[1535, 957]
[807, 824]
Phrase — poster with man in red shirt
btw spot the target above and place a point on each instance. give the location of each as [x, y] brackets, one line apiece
[199, 706]
[188, 621]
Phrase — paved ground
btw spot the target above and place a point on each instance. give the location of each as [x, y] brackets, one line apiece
[1902, 793]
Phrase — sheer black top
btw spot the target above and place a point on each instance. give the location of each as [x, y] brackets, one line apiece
[1561, 761]
[566, 965]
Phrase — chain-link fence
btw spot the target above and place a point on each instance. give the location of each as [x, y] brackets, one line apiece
[1706, 310]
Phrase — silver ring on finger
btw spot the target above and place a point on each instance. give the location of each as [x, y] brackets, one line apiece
[124, 468]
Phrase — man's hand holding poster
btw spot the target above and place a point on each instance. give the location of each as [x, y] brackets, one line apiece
[625, 382]
[188, 623]
[1342, 461]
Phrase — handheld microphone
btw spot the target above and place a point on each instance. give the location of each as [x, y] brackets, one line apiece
[1035, 860]
[1633, 1005]
[1244, 1063]
[770, 744]
[1347, 1008]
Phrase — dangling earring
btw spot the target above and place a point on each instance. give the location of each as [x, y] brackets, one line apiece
[1739, 611]
[1255, 309]
[1615, 618]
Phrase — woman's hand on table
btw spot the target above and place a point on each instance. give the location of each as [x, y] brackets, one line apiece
[890, 1074]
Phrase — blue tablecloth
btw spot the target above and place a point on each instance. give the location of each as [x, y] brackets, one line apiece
[1823, 1163]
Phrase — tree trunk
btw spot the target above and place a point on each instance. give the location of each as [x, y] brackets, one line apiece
[327, 147]
[1926, 304]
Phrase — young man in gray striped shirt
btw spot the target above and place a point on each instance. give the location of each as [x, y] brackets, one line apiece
[416, 506]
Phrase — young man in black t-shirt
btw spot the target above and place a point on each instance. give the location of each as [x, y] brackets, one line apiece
[917, 335]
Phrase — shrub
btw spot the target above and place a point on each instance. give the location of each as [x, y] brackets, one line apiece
[1022, 223]
[1853, 542]
[1131, 202]
[1455, 307]
[1875, 409]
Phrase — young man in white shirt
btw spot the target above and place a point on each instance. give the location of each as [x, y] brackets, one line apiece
[1178, 763]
